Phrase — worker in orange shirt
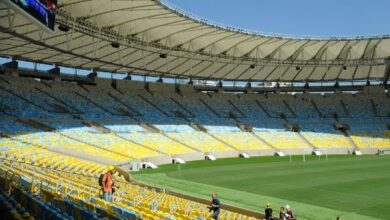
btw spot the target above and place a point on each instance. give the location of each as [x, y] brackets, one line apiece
[107, 183]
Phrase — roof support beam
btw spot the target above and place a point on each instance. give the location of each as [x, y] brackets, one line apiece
[186, 61]
[55, 45]
[238, 43]
[294, 55]
[272, 54]
[177, 32]
[232, 70]
[363, 54]
[115, 10]
[215, 41]
[11, 19]
[348, 53]
[70, 53]
[136, 19]
[256, 48]
[212, 32]
[160, 25]
[387, 72]
[203, 69]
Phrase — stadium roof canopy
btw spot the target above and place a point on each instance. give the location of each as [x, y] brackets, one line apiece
[149, 37]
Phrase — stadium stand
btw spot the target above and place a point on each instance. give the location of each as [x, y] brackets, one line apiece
[324, 136]
[370, 135]
[55, 147]
[145, 125]
[135, 124]
[48, 191]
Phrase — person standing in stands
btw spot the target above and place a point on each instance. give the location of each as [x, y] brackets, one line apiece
[215, 206]
[282, 214]
[268, 212]
[108, 181]
[290, 215]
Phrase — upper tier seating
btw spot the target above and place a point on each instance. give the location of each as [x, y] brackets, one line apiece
[358, 106]
[111, 123]
[382, 105]
[329, 105]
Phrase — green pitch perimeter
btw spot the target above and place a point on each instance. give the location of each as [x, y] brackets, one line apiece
[347, 186]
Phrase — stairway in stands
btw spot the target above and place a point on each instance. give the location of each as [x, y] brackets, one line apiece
[199, 127]
[350, 140]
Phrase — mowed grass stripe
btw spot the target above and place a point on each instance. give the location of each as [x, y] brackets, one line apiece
[342, 183]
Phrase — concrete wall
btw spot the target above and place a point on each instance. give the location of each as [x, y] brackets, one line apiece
[136, 85]
[160, 160]
[54, 83]
[161, 87]
[372, 90]
[165, 159]
[225, 154]
[336, 150]
[191, 156]
[129, 85]
[186, 88]
[103, 83]
[256, 153]
[369, 151]
[297, 151]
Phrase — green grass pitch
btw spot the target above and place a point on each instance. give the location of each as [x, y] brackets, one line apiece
[352, 187]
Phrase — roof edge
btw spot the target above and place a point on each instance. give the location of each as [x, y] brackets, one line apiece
[183, 13]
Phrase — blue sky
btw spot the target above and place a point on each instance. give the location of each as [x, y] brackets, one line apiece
[323, 18]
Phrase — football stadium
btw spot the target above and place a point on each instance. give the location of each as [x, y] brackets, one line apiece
[137, 109]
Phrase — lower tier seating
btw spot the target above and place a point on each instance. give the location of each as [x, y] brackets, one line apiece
[50, 193]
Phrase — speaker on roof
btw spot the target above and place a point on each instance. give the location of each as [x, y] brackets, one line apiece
[63, 28]
[115, 44]
[54, 71]
[128, 77]
[12, 65]
[93, 74]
